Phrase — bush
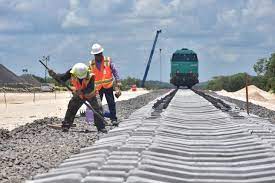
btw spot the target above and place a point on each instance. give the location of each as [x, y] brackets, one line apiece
[271, 84]
[260, 82]
[150, 85]
[128, 82]
[228, 83]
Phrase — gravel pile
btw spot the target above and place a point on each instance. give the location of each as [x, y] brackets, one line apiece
[4, 134]
[253, 108]
[35, 148]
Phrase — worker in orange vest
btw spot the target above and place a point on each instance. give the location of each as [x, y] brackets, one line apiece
[83, 86]
[104, 70]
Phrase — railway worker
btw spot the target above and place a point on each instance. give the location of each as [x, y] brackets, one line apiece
[83, 84]
[104, 71]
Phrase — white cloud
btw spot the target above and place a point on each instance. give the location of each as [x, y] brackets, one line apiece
[152, 8]
[185, 7]
[258, 9]
[228, 18]
[64, 45]
[74, 17]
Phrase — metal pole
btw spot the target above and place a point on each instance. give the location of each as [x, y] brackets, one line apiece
[46, 60]
[246, 89]
[46, 71]
[160, 73]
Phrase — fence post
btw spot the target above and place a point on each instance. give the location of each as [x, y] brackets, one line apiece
[5, 98]
[246, 91]
[33, 96]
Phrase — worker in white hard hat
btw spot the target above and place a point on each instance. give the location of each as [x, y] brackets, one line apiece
[105, 73]
[83, 86]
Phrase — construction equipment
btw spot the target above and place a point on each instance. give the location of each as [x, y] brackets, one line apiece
[150, 59]
[70, 89]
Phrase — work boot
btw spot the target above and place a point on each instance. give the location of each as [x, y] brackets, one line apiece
[102, 130]
[65, 127]
[114, 122]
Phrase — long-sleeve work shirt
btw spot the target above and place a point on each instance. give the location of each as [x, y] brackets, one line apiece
[67, 76]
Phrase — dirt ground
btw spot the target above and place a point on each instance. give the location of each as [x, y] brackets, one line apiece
[22, 108]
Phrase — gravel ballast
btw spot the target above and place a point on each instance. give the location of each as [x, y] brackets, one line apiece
[35, 148]
[253, 108]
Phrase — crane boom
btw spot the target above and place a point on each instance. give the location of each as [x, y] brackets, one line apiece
[150, 59]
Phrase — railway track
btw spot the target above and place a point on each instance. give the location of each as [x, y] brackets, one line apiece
[190, 141]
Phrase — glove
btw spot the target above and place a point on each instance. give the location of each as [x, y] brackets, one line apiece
[52, 73]
[77, 92]
[118, 84]
[118, 92]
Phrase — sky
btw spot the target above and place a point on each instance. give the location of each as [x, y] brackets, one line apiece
[228, 35]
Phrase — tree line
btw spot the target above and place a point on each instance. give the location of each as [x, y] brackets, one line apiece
[265, 79]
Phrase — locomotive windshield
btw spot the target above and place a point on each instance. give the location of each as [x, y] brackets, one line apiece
[184, 58]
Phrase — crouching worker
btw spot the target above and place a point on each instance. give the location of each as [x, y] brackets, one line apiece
[83, 90]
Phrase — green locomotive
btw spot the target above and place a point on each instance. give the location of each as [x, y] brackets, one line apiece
[184, 68]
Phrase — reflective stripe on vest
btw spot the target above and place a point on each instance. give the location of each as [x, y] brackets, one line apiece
[81, 86]
[103, 76]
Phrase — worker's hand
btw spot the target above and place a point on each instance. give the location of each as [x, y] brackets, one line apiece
[52, 73]
[77, 92]
[118, 84]
[90, 95]
[117, 92]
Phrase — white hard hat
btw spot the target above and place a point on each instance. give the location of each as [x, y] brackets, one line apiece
[80, 70]
[96, 49]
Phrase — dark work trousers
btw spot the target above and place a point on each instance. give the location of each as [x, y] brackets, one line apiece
[109, 95]
[73, 106]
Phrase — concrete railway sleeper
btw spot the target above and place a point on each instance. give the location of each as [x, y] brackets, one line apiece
[189, 140]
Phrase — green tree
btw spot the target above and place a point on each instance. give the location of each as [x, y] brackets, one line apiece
[271, 84]
[261, 66]
[228, 83]
[261, 82]
[271, 66]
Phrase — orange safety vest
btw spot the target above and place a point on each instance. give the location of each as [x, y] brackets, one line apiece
[104, 75]
[81, 86]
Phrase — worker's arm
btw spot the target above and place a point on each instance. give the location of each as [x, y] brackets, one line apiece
[115, 74]
[117, 79]
[62, 77]
[89, 91]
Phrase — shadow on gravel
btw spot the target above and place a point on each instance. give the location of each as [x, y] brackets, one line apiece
[35, 148]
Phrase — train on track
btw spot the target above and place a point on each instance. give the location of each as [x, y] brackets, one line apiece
[184, 68]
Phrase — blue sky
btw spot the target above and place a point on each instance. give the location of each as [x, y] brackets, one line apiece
[228, 35]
